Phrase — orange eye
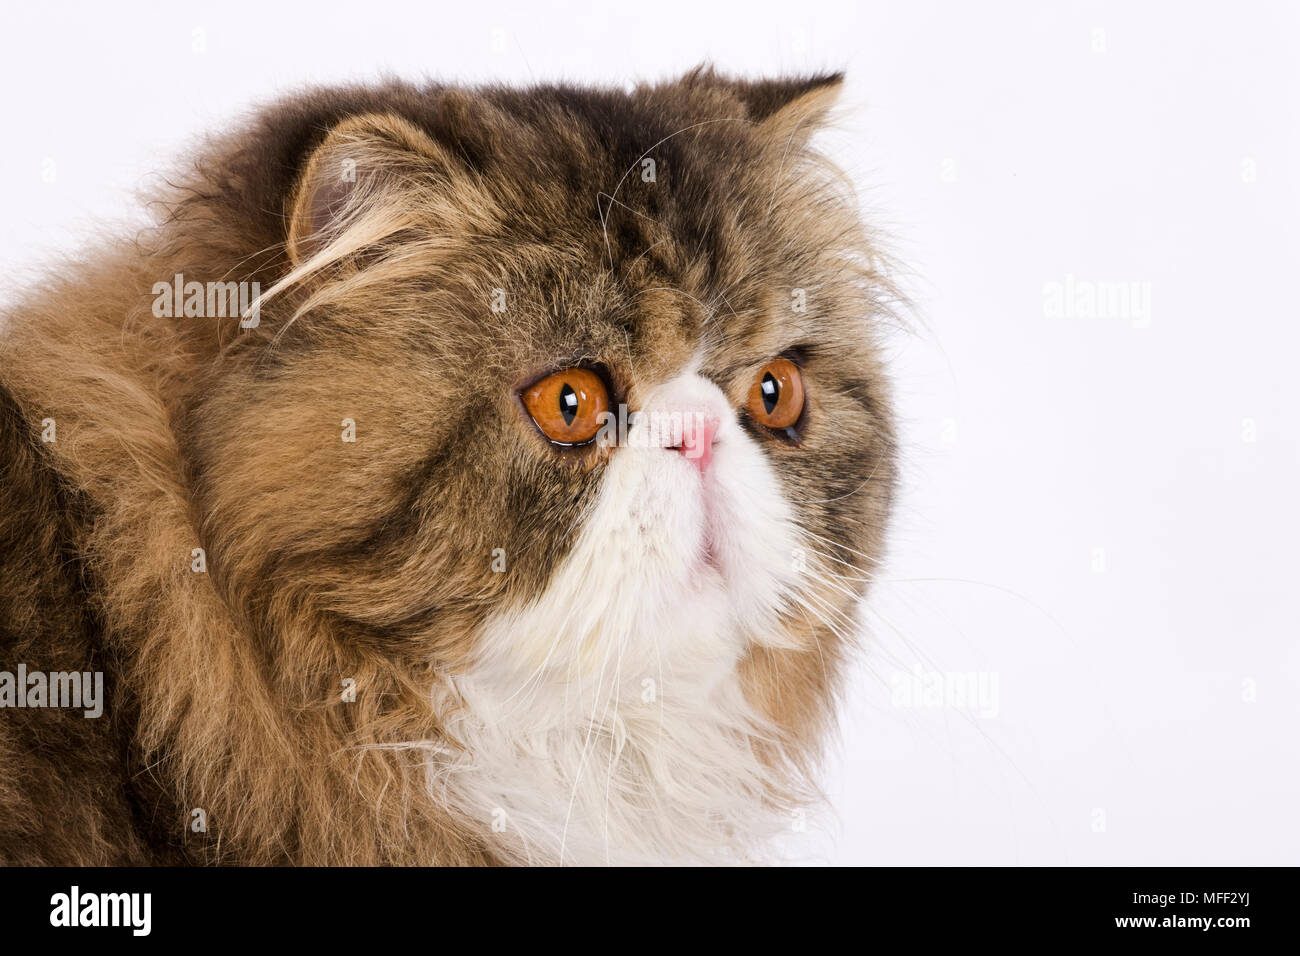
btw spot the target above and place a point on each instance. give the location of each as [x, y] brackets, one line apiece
[567, 406]
[776, 397]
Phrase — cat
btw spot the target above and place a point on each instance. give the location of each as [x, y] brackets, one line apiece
[449, 476]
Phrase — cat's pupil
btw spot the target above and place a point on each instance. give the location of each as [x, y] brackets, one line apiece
[771, 390]
[568, 404]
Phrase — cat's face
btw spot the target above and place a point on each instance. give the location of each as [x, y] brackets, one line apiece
[463, 304]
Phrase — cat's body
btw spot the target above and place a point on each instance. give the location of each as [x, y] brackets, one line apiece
[351, 604]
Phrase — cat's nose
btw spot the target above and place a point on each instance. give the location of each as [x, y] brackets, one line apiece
[698, 433]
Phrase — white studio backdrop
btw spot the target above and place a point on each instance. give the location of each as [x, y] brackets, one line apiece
[1085, 647]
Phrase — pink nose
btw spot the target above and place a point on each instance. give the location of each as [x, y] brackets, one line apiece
[698, 433]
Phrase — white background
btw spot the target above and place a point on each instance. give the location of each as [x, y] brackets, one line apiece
[1099, 516]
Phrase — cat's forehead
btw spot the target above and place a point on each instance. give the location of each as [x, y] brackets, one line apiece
[595, 305]
[631, 242]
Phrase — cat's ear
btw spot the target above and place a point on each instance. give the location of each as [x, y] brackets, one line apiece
[791, 110]
[788, 110]
[357, 186]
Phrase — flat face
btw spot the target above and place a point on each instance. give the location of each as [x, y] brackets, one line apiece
[404, 441]
[661, 240]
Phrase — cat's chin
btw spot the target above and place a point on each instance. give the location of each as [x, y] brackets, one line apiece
[711, 559]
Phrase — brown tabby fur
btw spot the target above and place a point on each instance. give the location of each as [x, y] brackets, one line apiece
[370, 560]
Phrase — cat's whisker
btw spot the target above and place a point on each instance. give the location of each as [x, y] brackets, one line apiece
[995, 587]
[867, 608]
[839, 544]
[847, 626]
[590, 731]
[650, 248]
[865, 577]
[821, 657]
[614, 751]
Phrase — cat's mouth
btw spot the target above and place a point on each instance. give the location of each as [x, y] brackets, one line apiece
[714, 545]
[711, 559]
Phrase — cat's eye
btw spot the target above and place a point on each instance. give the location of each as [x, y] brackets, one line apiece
[776, 398]
[568, 405]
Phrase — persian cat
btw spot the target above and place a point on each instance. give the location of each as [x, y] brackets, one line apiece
[446, 476]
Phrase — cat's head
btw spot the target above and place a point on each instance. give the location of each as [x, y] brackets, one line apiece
[406, 445]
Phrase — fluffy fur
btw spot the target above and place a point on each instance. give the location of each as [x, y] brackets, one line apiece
[651, 674]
